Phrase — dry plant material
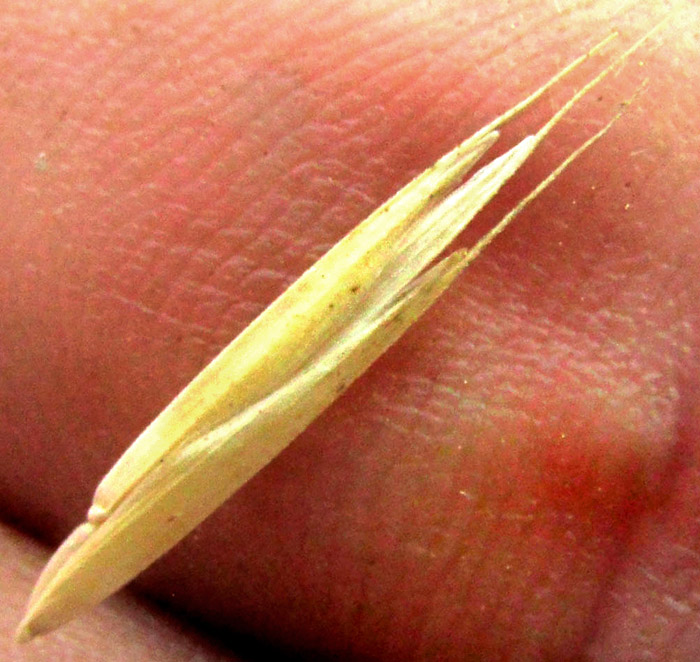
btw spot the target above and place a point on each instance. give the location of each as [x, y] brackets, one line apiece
[285, 368]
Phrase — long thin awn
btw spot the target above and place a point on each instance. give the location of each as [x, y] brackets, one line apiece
[247, 405]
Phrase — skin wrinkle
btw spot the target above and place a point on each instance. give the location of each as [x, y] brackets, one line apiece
[270, 189]
[182, 266]
[685, 624]
[398, 592]
[505, 608]
[588, 628]
[433, 615]
[375, 497]
[401, 464]
[98, 75]
[524, 594]
[166, 301]
[486, 552]
[474, 591]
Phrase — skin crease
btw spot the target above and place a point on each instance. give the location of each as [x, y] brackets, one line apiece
[518, 477]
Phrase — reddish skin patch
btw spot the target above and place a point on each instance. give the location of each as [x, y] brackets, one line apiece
[517, 478]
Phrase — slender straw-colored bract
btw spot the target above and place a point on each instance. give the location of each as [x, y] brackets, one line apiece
[284, 369]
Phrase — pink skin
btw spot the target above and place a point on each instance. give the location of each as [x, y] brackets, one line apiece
[518, 477]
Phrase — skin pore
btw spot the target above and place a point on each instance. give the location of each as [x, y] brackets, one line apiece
[517, 478]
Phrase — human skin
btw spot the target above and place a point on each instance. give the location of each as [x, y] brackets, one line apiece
[518, 477]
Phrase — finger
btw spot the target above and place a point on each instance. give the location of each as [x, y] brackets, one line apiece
[162, 190]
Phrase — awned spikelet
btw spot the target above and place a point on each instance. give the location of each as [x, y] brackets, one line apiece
[285, 368]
